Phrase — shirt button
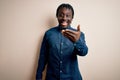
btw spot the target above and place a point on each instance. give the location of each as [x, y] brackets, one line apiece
[61, 43]
[74, 44]
[60, 71]
[61, 62]
[61, 52]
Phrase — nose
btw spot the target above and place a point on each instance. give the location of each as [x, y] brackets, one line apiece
[64, 17]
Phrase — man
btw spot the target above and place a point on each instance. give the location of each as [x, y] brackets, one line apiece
[60, 47]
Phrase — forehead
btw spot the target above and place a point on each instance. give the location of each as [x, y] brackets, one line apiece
[65, 10]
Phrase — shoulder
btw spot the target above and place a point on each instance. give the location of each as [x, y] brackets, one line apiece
[51, 31]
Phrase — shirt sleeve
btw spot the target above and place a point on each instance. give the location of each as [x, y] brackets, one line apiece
[80, 46]
[42, 59]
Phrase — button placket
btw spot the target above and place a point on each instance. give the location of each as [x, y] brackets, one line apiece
[61, 52]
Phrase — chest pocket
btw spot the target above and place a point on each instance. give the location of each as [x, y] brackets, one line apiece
[53, 43]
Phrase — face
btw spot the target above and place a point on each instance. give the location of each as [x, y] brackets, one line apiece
[64, 17]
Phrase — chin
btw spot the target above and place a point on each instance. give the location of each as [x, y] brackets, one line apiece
[64, 26]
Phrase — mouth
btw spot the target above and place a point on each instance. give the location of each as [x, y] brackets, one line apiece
[64, 23]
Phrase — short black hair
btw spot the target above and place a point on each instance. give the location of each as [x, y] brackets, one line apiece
[68, 6]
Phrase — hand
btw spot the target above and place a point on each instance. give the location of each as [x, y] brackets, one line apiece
[72, 35]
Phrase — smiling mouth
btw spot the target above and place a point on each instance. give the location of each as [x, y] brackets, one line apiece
[64, 23]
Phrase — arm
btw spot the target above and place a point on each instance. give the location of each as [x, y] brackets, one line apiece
[42, 59]
[80, 46]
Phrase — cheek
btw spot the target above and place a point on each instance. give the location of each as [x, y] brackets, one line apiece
[58, 19]
[70, 20]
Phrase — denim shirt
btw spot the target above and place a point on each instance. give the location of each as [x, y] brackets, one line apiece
[60, 55]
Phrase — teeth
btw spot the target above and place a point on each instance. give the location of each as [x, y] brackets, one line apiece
[64, 23]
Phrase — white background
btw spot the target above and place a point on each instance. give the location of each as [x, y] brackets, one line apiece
[23, 23]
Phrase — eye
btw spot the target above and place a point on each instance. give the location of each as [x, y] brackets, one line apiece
[60, 15]
[67, 15]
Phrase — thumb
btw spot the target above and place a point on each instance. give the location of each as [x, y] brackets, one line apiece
[78, 28]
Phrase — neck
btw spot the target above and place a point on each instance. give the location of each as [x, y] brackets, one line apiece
[62, 28]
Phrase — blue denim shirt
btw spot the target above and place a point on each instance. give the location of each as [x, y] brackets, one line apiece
[60, 55]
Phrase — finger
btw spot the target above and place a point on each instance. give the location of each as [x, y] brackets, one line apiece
[69, 36]
[78, 28]
[70, 31]
[62, 31]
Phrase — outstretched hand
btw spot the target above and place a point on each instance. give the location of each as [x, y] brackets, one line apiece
[72, 35]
